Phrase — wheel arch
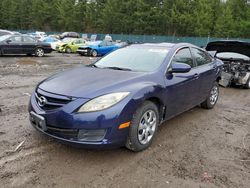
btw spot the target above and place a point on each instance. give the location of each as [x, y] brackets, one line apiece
[160, 105]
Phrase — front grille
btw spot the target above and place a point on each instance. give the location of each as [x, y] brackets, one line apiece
[50, 103]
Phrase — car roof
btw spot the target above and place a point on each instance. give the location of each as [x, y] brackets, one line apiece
[6, 30]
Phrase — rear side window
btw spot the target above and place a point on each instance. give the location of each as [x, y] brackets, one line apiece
[201, 57]
[3, 33]
[183, 56]
[16, 39]
[28, 39]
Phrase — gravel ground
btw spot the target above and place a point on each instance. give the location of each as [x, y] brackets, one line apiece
[200, 148]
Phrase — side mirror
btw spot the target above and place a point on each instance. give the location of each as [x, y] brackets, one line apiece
[179, 68]
[8, 41]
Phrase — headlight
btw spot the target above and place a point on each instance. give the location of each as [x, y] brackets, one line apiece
[103, 102]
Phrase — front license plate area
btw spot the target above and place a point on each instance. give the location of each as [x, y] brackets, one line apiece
[38, 121]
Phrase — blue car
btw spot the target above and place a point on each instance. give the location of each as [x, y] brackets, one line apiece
[99, 49]
[121, 99]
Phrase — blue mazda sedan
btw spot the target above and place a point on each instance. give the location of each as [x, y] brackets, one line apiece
[121, 99]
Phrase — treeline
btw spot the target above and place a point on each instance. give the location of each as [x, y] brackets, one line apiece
[157, 17]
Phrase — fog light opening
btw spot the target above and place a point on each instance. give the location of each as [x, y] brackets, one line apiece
[91, 135]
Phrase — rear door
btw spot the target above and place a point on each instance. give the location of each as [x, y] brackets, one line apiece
[182, 89]
[13, 45]
[206, 68]
[29, 45]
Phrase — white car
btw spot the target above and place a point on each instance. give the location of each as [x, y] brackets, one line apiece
[53, 42]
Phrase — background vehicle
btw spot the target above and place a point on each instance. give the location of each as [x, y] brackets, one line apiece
[6, 32]
[69, 34]
[38, 35]
[100, 49]
[23, 44]
[71, 46]
[123, 97]
[236, 58]
[52, 41]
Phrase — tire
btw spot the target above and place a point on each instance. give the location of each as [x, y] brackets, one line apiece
[247, 85]
[94, 53]
[139, 137]
[68, 50]
[212, 99]
[39, 52]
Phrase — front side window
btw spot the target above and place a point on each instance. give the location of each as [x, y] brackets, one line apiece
[201, 57]
[183, 56]
[16, 39]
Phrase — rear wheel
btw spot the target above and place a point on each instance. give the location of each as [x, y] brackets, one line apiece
[94, 53]
[143, 127]
[39, 52]
[212, 99]
[247, 86]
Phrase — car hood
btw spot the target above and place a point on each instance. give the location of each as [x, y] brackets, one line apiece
[229, 46]
[87, 82]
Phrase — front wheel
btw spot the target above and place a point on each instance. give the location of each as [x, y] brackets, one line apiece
[39, 52]
[143, 127]
[212, 99]
[68, 50]
[94, 53]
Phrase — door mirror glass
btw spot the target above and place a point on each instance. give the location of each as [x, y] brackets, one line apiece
[179, 68]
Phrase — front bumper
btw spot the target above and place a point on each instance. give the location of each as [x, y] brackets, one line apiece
[66, 119]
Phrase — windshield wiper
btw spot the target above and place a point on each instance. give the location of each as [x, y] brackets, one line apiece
[92, 65]
[118, 68]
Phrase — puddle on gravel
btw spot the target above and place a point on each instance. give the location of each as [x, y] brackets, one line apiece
[27, 62]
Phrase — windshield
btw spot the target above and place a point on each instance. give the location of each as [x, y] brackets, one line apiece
[135, 59]
[4, 37]
[232, 55]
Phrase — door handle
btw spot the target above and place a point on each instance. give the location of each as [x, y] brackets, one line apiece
[196, 75]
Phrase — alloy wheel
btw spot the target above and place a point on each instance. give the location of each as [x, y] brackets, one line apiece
[147, 127]
[94, 53]
[214, 95]
[39, 52]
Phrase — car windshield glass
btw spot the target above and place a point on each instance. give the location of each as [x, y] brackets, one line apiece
[4, 37]
[232, 55]
[135, 59]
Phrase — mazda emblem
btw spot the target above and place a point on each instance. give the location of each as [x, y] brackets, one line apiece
[42, 101]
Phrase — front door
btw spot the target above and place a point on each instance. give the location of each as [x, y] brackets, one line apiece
[13, 45]
[182, 89]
